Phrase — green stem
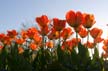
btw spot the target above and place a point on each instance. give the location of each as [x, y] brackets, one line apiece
[43, 41]
[54, 42]
[88, 35]
[59, 38]
[77, 37]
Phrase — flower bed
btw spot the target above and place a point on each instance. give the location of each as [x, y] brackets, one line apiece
[53, 47]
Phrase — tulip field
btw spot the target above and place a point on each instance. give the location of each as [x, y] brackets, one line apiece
[70, 44]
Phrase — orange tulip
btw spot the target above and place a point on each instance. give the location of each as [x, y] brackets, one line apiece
[23, 34]
[42, 21]
[31, 32]
[44, 30]
[20, 50]
[12, 33]
[77, 29]
[37, 39]
[89, 20]
[67, 45]
[53, 34]
[50, 44]
[105, 48]
[98, 40]
[105, 42]
[74, 19]
[75, 41]
[59, 24]
[83, 32]
[89, 44]
[2, 36]
[33, 46]
[67, 32]
[7, 40]
[20, 41]
[95, 32]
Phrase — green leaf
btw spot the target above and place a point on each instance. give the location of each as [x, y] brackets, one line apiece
[96, 53]
[74, 57]
[97, 63]
[84, 57]
[59, 53]
[3, 58]
[83, 51]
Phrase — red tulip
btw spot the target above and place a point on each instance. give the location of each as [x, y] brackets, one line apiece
[95, 32]
[42, 21]
[83, 32]
[67, 32]
[20, 41]
[89, 44]
[89, 20]
[58, 24]
[105, 48]
[50, 44]
[31, 32]
[74, 19]
[12, 33]
[105, 42]
[33, 46]
[53, 34]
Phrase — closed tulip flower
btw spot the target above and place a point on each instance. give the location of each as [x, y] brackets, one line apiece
[74, 19]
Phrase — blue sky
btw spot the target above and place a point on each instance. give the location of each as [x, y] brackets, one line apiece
[15, 12]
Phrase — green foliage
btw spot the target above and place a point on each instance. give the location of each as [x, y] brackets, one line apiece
[17, 62]
[78, 59]
[3, 59]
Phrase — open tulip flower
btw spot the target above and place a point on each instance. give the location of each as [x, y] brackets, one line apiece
[55, 48]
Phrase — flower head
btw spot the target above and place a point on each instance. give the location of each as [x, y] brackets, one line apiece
[89, 44]
[105, 42]
[42, 21]
[105, 48]
[20, 41]
[53, 34]
[44, 30]
[33, 46]
[12, 33]
[67, 32]
[24, 34]
[77, 29]
[67, 45]
[83, 32]
[2, 37]
[74, 19]
[37, 39]
[75, 41]
[7, 40]
[95, 32]
[98, 40]
[50, 44]
[31, 32]
[89, 20]
[20, 50]
[58, 24]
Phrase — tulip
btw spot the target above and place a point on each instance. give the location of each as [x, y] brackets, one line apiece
[74, 19]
